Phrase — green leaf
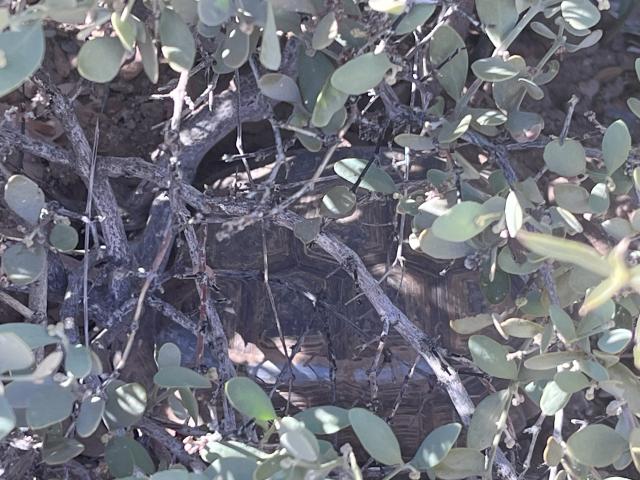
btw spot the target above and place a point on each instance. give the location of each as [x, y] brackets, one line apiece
[328, 102]
[49, 404]
[508, 264]
[375, 180]
[361, 73]
[180, 377]
[178, 45]
[314, 73]
[78, 361]
[435, 447]
[89, 416]
[593, 369]
[553, 452]
[524, 126]
[419, 143]
[325, 420]
[394, 7]
[125, 30]
[24, 197]
[599, 198]
[214, 12]
[563, 323]
[35, 336]
[174, 474]
[634, 105]
[486, 419]
[59, 450]
[615, 341]
[7, 417]
[449, 56]
[376, 436]
[521, 328]
[563, 250]
[571, 382]
[580, 14]
[326, 32]
[572, 197]
[249, 399]
[498, 18]
[460, 464]
[299, 442]
[339, 202]
[469, 325]
[125, 404]
[596, 445]
[567, 159]
[100, 59]
[23, 51]
[616, 145]
[149, 55]
[168, 355]
[513, 213]
[491, 357]
[279, 87]
[307, 229]
[550, 360]
[189, 402]
[14, 353]
[416, 17]
[124, 455]
[452, 130]
[63, 237]
[460, 223]
[553, 399]
[496, 69]
[235, 50]
[270, 55]
[48, 366]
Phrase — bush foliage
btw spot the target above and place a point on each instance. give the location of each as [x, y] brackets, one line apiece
[572, 332]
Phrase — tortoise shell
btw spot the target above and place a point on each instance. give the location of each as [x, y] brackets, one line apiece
[335, 331]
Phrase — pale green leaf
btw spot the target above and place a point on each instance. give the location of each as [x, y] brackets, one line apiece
[326, 31]
[596, 445]
[449, 57]
[375, 179]
[376, 436]
[279, 87]
[50, 404]
[436, 445]
[180, 377]
[24, 265]
[100, 59]
[89, 416]
[567, 159]
[580, 14]
[24, 197]
[23, 51]
[496, 69]
[616, 145]
[339, 202]
[270, 55]
[361, 73]
[324, 420]
[249, 399]
[498, 18]
[178, 44]
[563, 250]
[485, 420]
[63, 237]
[491, 357]
[553, 399]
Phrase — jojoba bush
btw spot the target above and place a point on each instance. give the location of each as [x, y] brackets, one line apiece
[572, 332]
